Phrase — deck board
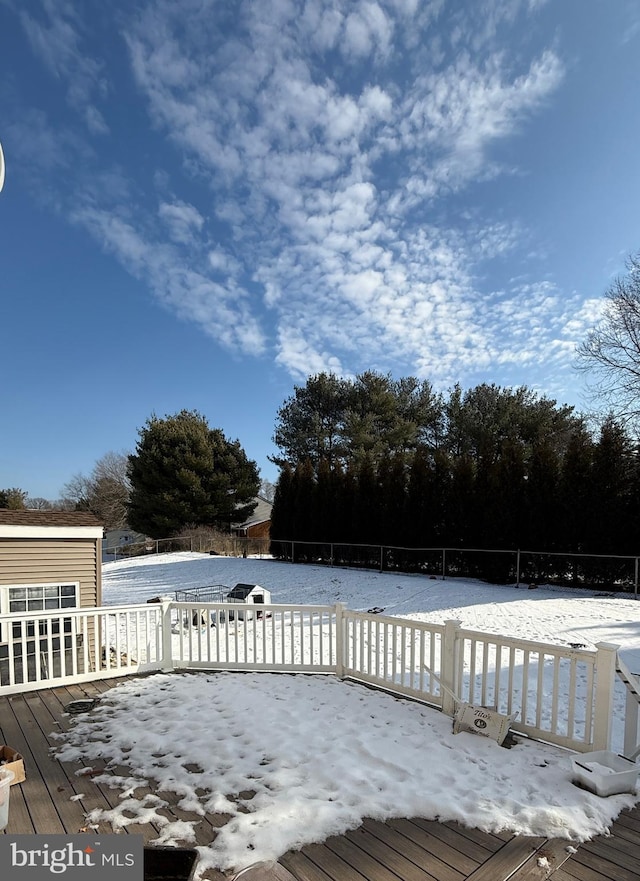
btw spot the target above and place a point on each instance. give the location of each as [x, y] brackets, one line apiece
[56, 798]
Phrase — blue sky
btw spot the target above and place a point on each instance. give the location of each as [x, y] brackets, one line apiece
[205, 202]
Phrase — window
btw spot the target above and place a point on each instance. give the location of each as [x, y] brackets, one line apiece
[41, 597]
[37, 598]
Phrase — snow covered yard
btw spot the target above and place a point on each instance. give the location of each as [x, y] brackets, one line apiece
[294, 759]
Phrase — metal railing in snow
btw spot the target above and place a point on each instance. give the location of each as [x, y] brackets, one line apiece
[559, 694]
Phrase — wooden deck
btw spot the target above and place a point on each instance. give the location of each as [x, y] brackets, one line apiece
[398, 850]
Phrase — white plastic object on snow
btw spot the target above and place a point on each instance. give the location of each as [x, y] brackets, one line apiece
[604, 773]
[5, 784]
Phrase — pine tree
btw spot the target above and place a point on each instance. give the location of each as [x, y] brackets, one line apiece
[282, 513]
[392, 504]
[184, 473]
[612, 479]
[417, 512]
[543, 497]
[575, 492]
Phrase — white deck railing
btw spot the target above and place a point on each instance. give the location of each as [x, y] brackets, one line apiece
[561, 695]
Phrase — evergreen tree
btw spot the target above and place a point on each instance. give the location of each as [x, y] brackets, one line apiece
[575, 494]
[391, 493]
[438, 492]
[304, 502]
[325, 503]
[418, 502]
[504, 502]
[184, 473]
[543, 497]
[462, 515]
[366, 508]
[282, 512]
[13, 498]
[346, 528]
[310, 423]
[612, 481]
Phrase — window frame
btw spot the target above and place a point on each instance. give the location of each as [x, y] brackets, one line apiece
[6, 600]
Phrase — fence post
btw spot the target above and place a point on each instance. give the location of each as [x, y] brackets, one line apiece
[635, 582]
[518, 568]
[339, 640]
[167, 648]
[293, 548]
[605, 683]
[448, 665]
[444, 562]
[381, 559]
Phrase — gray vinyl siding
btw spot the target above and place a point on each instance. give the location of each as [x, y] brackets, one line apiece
[38, 561]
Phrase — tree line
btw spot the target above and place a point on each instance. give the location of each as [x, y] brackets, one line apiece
[385, 461]
[487, 468]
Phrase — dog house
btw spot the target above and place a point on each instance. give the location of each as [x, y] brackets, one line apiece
[248, 593]
[244, 593]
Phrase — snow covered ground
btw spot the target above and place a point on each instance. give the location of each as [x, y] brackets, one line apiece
[293, 759]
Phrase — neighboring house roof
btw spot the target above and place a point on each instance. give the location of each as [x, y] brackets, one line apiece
[38, 524]
[261, 513]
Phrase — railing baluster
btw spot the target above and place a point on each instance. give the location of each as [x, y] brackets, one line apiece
[399, 654]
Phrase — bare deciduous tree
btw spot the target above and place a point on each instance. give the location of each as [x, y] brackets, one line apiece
[38, 504]
[105, 492]
[611, 351]
[267, 489]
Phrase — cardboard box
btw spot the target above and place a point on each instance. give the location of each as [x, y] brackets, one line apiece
[12, 761]
[483, 721]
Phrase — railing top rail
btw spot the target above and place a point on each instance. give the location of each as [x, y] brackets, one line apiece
[398, 620]
[529, 644]
[76, 610]
[231, 604]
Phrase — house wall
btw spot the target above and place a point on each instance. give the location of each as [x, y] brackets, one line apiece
[259, 530]
[37, 561]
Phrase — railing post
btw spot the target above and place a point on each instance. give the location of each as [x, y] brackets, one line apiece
[339, 640]
[167, 647]
[632, 706]
[448, 665]
[603, 704]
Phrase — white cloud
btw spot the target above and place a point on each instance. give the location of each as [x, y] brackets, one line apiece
[297, 354]
[57, 42]
[367, 28]
[221, 310]
[319, 140]
[182, 220]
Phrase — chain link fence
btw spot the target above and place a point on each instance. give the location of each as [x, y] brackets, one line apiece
[613, 573]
